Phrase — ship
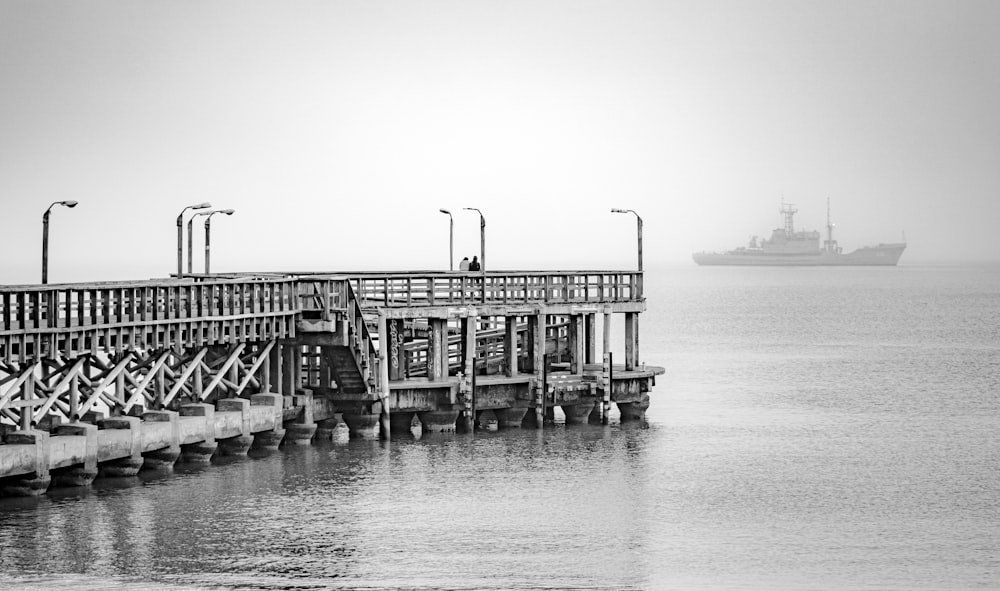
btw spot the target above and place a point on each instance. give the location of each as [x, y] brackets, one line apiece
[791, 248]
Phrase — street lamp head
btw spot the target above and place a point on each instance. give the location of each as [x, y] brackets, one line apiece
[482, 218]
[55, 203]
[445, 211]
[208, 214]
[632, 211]
[203, 205]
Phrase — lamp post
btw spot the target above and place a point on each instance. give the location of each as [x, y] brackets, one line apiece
[482, 237]
[451, 239]
[191, 240]
[180, 236]
[638, 229]
[208, 232]
[45, 237]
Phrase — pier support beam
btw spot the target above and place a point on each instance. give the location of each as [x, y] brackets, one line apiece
[510, 345]
[467, 416]
[538, 322]
[437, 349]
[396, 352]
[291, 369]
[386, 357]
[577, 344]
[527, 360]
[607, 360]
[631, 340]
[590, 331]
[277, 375]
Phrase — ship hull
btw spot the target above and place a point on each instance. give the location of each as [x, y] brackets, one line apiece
[885, 255]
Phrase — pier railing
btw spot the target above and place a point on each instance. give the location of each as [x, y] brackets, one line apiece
[509, 287]
[73, 318]
[43, 321]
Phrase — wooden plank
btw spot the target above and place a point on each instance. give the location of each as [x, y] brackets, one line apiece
[98, 391]
[22, 377]
[152, 374]
[221, 373]
[194, 366]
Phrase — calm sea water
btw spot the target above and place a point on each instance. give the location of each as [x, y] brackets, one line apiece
[816, 429]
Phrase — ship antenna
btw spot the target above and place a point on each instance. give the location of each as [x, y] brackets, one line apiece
[829, 226]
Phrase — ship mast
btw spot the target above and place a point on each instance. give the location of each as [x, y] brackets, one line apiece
[831, 246]
[829, 226]
[788, 210]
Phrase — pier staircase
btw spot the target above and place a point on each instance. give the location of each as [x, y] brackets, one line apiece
[347, 373]
[331, 312]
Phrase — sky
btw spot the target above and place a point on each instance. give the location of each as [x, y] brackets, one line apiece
[338, 129]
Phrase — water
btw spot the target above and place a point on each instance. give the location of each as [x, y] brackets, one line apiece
[816, 429]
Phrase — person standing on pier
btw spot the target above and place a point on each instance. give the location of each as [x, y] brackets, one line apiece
[474, 265]
[464, 265]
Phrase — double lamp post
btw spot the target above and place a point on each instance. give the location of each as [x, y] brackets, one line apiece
[190, 228]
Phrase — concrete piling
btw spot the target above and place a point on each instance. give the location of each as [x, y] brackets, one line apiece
[301, 430]
[84, 469]
[362, 425]
[634, 411]
[326, 428]
[510, 418]
[197, 426]
[32, 451]
[438, 421]
[577, 414]
[235, 415]
[162, 434]
[270, 438]
[122, 449]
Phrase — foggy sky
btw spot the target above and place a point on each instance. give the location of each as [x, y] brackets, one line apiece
[338, 129]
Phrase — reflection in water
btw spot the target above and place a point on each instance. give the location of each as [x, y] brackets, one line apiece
[509, 504]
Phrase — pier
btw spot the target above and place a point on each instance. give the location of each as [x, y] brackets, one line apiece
[112, 378]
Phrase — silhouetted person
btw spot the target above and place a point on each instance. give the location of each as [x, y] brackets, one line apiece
[464, 265]
[474, 265]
